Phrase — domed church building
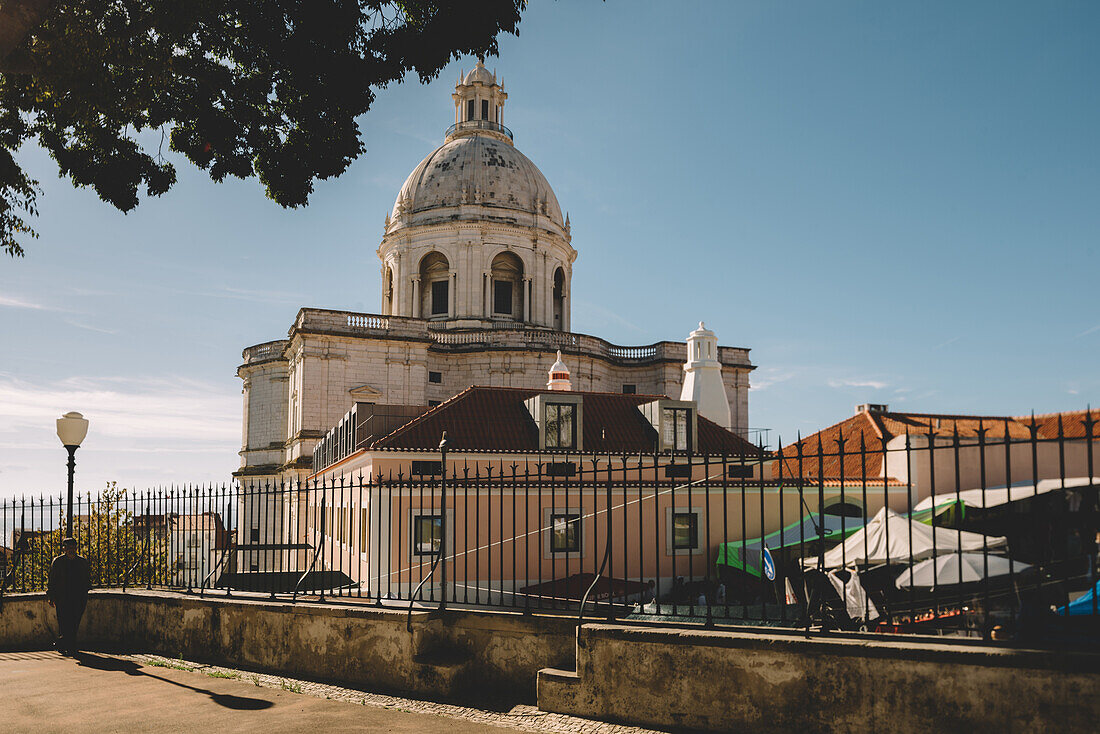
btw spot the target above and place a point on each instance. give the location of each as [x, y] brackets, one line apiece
[476, 267]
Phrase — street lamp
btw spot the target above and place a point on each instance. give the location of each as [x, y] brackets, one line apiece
[71, 429]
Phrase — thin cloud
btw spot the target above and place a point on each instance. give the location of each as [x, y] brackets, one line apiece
[89, 327]
[769, 376]
[148, 412]
[873, 384]
[941, 345]
[241, 294]
[13, 302]
[1086, 332]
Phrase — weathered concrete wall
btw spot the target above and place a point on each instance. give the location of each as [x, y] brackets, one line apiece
[725, 681]
[27, 622]
[459, 656]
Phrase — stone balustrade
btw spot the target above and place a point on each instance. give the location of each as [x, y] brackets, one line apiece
[264, 352]
[499, 335]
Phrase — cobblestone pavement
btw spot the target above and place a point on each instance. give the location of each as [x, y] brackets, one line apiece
[523, 718]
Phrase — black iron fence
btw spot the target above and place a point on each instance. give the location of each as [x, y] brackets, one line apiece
[964, 529]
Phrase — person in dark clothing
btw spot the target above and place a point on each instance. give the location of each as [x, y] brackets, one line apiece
[67, 590]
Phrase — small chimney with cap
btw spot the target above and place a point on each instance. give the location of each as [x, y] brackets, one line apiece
[559, 376]
[703, 377]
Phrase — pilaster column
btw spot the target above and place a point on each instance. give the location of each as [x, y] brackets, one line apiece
[452, 295]
[488, 278]
[527, 300]
[415, 311]
[547, 292]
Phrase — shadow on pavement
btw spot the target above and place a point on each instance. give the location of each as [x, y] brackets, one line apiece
[102, 662]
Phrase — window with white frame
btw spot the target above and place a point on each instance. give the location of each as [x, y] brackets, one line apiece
[676, 425]
[684, 528]
[565, 532]
[685, 531]
[427, 534]
[560, 426]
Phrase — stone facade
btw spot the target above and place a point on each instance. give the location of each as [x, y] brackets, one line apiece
[334, 358]
[477, 262]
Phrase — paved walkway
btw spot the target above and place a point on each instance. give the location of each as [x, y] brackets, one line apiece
[43, 692]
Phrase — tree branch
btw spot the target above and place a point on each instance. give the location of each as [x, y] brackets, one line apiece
[17, 19]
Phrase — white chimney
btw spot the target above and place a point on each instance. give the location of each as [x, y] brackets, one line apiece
[703, 377]
[559, 376]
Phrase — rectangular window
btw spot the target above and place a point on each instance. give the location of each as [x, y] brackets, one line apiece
[630, 389]
[560, 426]
[678, 471]
[254, 566]
[469, 109]
[427, 534]
[685, 531]
[561, 469]
[439, 297]
[254, 535]
[433, 403]
[502, 296]
[363, 530]
[739, 471]
[427, 468]
[675, 424]
[565, 533]
[436, 377]
[484, 109]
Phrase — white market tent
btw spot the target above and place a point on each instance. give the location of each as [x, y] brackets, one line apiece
[892, 538]
[994, 496]
[957, 568]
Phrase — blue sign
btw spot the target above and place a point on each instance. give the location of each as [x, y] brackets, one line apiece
[769, 564]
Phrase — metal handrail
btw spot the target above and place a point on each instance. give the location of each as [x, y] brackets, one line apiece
[12, 566]
[479, 125]
[217, 564]
[316, 554]
[142, 556]
[442, 540]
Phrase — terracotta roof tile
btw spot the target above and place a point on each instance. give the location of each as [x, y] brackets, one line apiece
[874, 428]
[496, 419]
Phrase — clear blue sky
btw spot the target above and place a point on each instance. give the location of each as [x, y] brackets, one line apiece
[892, 202]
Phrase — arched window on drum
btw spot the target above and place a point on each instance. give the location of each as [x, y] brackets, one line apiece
[435, 282]
[559, 299]
[507, 291]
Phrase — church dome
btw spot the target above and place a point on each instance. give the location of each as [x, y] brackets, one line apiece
[475, 170]
[479, 74]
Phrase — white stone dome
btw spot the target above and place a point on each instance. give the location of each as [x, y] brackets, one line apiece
[479, 74]
[475, 169]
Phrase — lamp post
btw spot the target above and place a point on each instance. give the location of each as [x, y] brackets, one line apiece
[71, 429]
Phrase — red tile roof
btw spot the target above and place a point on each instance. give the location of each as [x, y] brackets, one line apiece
[869, 430]
[496, 419]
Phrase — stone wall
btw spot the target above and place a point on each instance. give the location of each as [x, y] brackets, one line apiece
[748, 681]
[389, 358]
[467, 656]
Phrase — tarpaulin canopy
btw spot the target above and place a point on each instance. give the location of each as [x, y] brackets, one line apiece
[994, 496]
[892, 538]
[957, 568]
[1085, 605]
[747, 556]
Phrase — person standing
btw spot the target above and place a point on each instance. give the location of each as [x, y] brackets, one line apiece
[69, 582]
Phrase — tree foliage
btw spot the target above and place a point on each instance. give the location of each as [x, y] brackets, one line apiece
[264, 88]
[119, 550]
